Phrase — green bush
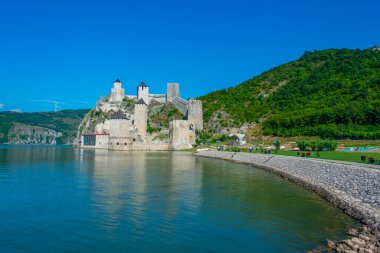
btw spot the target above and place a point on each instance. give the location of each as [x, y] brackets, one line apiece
[202, 136]
[277, 145]
[302, 145]
[317, 145]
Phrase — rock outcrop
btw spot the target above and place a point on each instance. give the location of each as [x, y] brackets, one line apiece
[25, 134]
[58, 127]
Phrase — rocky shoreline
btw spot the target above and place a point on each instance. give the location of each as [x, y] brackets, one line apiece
[366, 241]
[355, 190]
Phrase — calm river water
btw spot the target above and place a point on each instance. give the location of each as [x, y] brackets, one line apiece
[57, 199]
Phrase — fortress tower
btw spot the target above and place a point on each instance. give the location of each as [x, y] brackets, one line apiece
[120, 134]
[180, 135]
[117, 92]
[195, 113]
[119, 125]
[172, 91]
[141, 117]
[143, 92]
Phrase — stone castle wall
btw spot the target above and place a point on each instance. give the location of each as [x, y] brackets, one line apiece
[179, 135]
[158, 97]
[129, 144]
[152, 146]
[120, 128]
[192, 108]
[181, 104]
[120, 143]
[195, 113]
[141, 118]
[172, 91]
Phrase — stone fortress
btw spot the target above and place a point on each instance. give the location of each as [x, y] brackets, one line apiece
[126, 129]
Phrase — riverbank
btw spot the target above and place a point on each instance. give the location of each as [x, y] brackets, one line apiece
[340, 156]
[354, 189]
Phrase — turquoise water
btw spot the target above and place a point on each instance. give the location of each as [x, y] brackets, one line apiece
[56, 199]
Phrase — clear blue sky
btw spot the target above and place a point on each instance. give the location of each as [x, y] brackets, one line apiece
[72, 50]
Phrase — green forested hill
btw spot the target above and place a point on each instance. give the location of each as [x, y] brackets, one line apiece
[329, 93]
[65, 122]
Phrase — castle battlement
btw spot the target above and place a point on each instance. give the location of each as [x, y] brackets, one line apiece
[128, 131]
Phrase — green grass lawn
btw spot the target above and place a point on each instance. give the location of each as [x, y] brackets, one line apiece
[330, 155]
[335, 155]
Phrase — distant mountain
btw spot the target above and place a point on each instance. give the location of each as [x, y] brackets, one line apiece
[330, 93]
[40, 127]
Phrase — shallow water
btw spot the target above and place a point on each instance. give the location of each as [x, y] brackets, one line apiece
[56, 199]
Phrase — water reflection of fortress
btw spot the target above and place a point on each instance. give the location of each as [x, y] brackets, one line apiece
[139, 185]
[127, 130]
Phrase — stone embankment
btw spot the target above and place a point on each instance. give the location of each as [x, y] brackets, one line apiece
[355, 190]
[365, 241]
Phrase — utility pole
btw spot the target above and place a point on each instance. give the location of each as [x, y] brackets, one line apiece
[56, 106]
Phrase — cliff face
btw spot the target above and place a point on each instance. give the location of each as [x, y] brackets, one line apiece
[40, 127]
[25, 134]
